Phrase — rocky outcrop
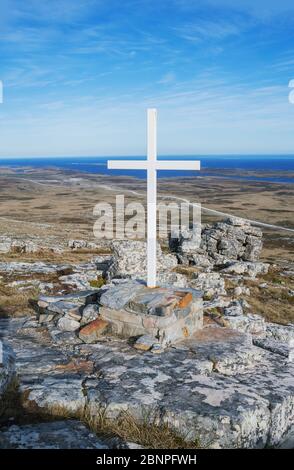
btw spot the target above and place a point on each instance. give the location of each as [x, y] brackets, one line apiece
[245, 268]
[216, 386]
[69, 434]
[210, 284]
[129, 260]
[7, 367]
[232, 239]
[9, 245]
[81, 245]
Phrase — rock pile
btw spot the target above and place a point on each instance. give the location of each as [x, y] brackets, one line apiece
[81, 245]
[129, 261]
[126, 309]
[71, 314]
[8, 245]
[232, 239]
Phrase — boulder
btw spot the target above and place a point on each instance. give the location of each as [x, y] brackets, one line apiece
[250, 323]
[7, 367]
[81, 244]
[67, 434]
[210, 284]
[283, 333]
[67, 323]
[232, 239]
[252, 269]
[129, 260]
[144, 343]
[234, 309]
[89, 314]
[5, 245]
[91, 332]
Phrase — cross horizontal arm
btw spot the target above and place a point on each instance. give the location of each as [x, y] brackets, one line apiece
[177, 165]
[156, 165]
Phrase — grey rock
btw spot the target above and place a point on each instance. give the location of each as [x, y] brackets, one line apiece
[249, 323]
[277, 347]
[69, 434]
[82, 244]
[217, 387]
[216, 301]
[253, 248]
[67, 323]
[248, 268]
[168, 314]
[239, 290]
[64, 337]
[7, 367]
[288, 440]
[5, 244]
[281, 333]
[129, 260]
[39, 267]
[117, 298]
[172, 279]
[209, 283]
[252, 407]
[201, 260]
[89, 314]
[77, 297]
[232, 239]
[144, 343]
[234, 309]
[25, 246]
[62, 307]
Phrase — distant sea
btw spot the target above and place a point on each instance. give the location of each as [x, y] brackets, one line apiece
[217, 165]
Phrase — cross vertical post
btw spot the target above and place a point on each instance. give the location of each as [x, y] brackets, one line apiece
[152, 165]
[151, 197]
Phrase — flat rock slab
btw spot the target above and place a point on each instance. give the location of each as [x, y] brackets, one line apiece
[252, 408]
[7, 367]
[38, 267]
[217, 386]
[45, 381]
[230, 351]
[69, 434]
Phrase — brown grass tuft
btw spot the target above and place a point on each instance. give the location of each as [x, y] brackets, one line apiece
[148, 433]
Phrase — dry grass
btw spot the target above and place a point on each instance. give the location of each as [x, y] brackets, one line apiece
[68, 256]
[97, 283]
[148, 433]
[14, 302]
[12, 408]
[274, 302]
[186, 270]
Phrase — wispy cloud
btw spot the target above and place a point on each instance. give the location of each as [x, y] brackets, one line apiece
[79, 75]
[167, 78]
[202, 29]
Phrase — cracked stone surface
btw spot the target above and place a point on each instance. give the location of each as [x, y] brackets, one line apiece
[69, 434]
[7, 367]
[216, 386]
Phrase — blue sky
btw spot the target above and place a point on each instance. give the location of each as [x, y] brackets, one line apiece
[78, 76]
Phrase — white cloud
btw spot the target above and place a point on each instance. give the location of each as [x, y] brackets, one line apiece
[167, 78]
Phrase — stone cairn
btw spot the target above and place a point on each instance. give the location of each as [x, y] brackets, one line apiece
[125, 307]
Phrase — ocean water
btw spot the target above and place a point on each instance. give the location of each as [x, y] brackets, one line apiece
[211, 165]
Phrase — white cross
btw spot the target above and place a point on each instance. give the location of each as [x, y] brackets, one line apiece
[152, 165]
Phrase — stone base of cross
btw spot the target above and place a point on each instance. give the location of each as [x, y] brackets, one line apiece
[152, 165]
